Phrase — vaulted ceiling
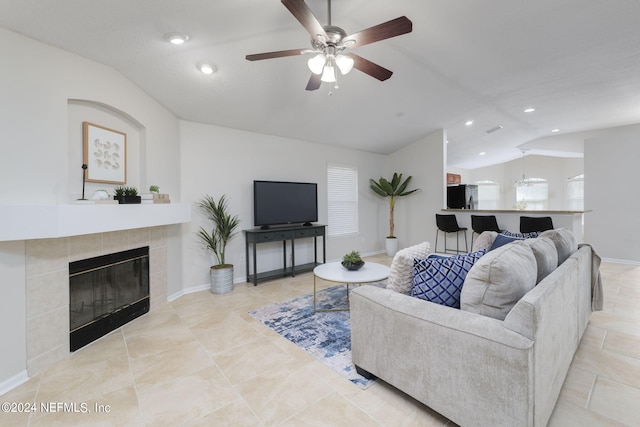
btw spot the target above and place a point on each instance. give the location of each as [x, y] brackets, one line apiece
[577, 62]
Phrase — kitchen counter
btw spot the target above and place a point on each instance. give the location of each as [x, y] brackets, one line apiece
[510, 219]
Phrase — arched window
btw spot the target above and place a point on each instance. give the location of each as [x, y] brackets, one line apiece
[488, 195]
[533, 195]
[575, 193]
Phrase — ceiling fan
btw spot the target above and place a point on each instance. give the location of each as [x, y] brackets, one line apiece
[329, 42]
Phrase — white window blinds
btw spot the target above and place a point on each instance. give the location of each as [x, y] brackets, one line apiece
[488, 195]
[342, 200]
[534, 196]
[575, 193]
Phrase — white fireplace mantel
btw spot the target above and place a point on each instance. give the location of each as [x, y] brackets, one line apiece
[26, 222]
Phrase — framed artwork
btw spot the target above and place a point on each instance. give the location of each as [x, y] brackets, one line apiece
[104, 154]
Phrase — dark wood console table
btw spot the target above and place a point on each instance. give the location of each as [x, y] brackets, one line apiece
[276, 234]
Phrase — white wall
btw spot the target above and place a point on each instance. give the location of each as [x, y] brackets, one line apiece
[13, 315]
[425, 162]
[611, 193]
[221, 161]
[556, 170]
[37, 83]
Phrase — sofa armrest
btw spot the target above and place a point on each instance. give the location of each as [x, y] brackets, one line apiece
[468, 367]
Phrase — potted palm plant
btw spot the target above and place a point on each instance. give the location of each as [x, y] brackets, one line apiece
[224, 228]
[391, 189]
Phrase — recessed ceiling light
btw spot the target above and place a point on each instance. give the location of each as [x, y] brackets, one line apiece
[176, 38]
[482, 153]
[529, 110]
[555, 130]
[207, 68]
[468, 123]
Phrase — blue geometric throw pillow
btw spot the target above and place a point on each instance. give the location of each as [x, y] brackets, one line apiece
[440, 280]
[529, 235]
[501, 240]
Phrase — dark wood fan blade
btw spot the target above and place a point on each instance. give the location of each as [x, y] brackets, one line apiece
[314, 82]
[386, 30]
[368, 67]
[278, 54]
[301, 11]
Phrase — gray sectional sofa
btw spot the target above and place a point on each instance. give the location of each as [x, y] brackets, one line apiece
[483, 365]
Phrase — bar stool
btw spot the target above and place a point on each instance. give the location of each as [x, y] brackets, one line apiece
[530, 224]
[482, 223]
[449, 224]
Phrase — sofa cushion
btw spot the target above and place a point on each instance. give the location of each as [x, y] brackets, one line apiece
[401, 271]
[439, 279]
[498, 280]
[546, 254]
[484, 241]
[565, 242]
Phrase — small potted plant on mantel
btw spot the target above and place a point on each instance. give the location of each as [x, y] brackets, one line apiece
[127, 195]
[391, 189]
[223, 230]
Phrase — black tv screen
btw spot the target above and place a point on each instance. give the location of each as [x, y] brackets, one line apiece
[278, 203]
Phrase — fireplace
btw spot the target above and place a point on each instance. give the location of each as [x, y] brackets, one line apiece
[106, 292]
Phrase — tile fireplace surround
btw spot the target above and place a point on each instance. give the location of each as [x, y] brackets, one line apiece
[55, 235]
[47, 284]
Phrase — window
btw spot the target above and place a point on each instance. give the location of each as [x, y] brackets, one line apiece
[488, 195]
[534, 195]
[575, 193]
[342, 200]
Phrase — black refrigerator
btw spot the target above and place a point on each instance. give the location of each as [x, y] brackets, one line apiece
[463, 196]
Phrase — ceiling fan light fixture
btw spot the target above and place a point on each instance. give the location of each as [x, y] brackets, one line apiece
[316, 63]
[344, 63]
[329, 73]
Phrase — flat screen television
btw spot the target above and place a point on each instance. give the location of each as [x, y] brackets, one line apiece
[280, 203]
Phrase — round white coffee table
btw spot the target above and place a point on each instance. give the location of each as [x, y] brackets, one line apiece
[370, 272]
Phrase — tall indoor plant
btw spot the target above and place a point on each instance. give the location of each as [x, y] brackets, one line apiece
[391, 189]
[224, 228]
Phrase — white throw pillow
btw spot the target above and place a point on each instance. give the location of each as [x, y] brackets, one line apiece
[401, 271]
[498, 280]
[484, 241]
[546, 254]
[565, 242]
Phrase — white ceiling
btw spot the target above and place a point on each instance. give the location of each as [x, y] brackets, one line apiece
[576, 61]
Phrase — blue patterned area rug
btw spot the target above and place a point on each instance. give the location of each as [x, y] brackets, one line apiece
[325, 335]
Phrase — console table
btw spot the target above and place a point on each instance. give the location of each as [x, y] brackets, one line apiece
[256, 236]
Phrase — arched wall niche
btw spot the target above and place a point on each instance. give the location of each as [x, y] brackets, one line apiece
[82, 110]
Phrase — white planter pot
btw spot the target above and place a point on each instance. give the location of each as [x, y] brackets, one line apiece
[221, 280]
[392, 246]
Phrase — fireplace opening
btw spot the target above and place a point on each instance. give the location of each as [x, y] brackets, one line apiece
[105, 293]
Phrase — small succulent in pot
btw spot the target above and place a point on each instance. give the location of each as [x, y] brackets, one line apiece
[130, 191]
[352, 261]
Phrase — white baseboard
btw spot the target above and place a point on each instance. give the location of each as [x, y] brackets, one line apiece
[187, 291]
[198, 288]
[621, 261]
[13, 382]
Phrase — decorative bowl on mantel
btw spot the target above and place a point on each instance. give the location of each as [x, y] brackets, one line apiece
[352, 266]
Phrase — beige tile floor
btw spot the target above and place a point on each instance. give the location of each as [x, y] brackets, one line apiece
[203, 361]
